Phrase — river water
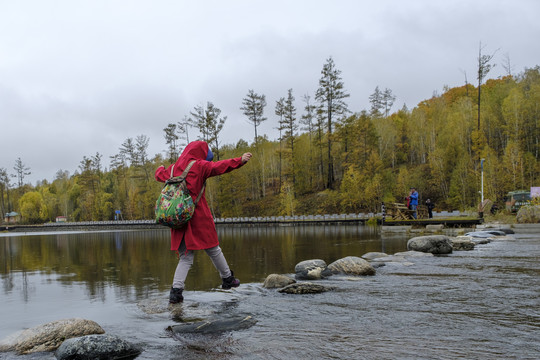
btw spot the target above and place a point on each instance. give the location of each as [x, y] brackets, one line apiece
[480, 304]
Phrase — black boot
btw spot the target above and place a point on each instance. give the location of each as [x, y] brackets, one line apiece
[230, 282]
[175, 296]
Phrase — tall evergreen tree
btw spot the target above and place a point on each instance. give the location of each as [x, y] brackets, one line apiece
[330, 96]
[171, 138]
[320, 131]
[307, 120]
[210, 123]
[381, 102]
[253, 108]
[376, 100]
[290, 125]
[21, 171]
[182, 130]
[127, 151]
[388, 99]
[483, 69]
[280, 112]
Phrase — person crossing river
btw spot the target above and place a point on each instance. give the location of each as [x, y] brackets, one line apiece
[200, 232]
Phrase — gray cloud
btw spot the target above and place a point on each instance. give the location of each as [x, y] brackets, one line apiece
[80, 77]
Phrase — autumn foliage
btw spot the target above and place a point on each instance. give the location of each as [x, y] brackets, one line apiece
[435, 147]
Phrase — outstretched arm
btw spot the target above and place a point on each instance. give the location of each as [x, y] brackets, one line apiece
[224, 166]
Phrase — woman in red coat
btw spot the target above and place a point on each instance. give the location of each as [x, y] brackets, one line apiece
[200, 232]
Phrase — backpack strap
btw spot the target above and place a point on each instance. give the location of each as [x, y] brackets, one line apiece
[186, 170]
[200, 194]
[183, 176]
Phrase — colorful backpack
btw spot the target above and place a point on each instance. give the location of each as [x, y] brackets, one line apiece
[174, 206]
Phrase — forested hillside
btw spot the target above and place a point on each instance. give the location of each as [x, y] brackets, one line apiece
[329, 159]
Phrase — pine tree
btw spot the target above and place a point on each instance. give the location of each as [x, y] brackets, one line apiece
[21, 171]
[308, 121]
[210, 123]
[290, 126]
[253, 108]
[330, 95]
[171, 138]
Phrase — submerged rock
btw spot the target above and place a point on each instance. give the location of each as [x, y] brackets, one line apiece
[373, 255]
[434, 244]
[49, 336]
[97, 347]
[412, 253]
[351, 265]
[481, 241]
[482, 234]
[304, 288]
[214, 326]
[152, 306]
[507, 230]
[311, 270]
[462, 243]
[273, 281]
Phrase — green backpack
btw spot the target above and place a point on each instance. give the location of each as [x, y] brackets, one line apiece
[174, 206]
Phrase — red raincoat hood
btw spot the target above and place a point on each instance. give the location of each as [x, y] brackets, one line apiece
[195, 150]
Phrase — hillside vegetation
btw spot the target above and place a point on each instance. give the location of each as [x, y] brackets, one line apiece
[347, 164]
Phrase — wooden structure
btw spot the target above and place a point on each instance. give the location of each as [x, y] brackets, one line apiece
[12, 217]
[398, 211]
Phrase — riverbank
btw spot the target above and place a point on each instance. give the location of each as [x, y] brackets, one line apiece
[431, 227]
[448, 219]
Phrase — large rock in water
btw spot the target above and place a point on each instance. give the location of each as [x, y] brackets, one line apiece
[352, 265]
[97, 347]
[528, 214]
[214, 326]
[273, 281]
[311, 270]
[49, 336]
[434, 244]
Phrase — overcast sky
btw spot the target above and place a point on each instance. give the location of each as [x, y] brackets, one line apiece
[81, 76]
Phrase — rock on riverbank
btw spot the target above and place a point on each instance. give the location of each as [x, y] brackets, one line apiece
[49, 336]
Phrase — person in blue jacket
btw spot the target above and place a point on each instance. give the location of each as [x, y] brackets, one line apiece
[413, 202]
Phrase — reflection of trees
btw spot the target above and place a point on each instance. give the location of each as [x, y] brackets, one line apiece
[139, 259]
[137, 263]
[260, 251]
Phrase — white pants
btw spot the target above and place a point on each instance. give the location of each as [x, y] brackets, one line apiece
[186, 260]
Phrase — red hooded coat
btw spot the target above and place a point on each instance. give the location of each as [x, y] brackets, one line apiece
[200, 232]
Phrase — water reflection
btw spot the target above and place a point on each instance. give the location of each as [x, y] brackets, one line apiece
[142, 259]
[471, 304]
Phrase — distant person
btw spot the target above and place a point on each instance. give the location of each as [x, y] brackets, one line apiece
[200, 232]
[430, 207]
[413, 201]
